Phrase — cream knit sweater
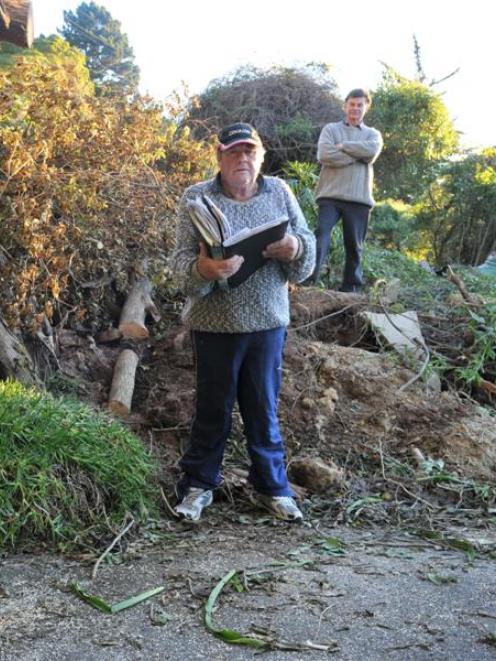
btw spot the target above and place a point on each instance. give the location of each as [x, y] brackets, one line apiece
[347, 172]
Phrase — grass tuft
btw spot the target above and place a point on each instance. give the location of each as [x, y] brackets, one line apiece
[68, 475]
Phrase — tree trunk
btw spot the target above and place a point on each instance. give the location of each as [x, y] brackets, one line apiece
[15, 361]
[16, 22]
[121, 392]
[138, 303]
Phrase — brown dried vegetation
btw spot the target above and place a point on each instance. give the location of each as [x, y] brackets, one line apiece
[85, 183]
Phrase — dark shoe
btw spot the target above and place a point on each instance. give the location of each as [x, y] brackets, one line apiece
[193, 503]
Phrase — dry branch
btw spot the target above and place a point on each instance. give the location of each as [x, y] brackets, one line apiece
[473, 300]
[121, 391]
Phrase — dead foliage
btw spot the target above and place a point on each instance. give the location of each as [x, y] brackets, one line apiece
[288, 106]
[82, 188]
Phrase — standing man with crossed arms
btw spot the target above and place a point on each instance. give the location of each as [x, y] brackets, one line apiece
[346, 151]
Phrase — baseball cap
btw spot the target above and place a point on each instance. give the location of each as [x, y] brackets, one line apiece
[236, 134]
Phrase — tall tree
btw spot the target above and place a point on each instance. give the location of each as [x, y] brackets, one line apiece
[419, 136]
[110, 58]
[458, 215]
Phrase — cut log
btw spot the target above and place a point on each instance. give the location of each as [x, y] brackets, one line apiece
[121, 391]
[138, 303]
[16, 22]
[15, 361]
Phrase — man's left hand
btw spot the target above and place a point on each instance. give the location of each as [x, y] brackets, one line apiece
[284, 250]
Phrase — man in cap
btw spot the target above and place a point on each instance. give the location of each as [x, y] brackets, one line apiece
[347, 151]
[238, 334]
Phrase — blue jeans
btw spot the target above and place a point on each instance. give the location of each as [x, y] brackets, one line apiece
[355, 218]
[246, 367]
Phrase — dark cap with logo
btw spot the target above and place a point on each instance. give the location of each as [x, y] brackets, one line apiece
[236, 134]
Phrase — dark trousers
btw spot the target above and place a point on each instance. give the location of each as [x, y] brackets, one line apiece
[355, 218]
[246, 367]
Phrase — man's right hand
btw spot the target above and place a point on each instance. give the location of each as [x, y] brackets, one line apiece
[217, 269]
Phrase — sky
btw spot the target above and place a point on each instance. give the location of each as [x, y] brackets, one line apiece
[195, 41]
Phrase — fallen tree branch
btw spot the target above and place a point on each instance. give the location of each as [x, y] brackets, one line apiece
[109, 548]
[473, 300]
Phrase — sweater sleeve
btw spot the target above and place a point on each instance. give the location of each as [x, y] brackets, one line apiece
[327, 154]
[367, 150]
[303, 265]
[186, 253]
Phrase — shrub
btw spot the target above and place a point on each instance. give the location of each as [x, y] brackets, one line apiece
[288, 106]
[302, 178]
[81, 193]
[392, 226]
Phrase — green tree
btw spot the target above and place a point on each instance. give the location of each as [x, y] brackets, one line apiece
[110, 58]
[419, 136]
[288, 106]
[459, 211]
[393, 226]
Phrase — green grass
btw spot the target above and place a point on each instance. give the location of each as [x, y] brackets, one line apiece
[68, 475]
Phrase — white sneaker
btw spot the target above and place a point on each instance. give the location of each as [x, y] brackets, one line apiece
[193, 503]
[283, 507]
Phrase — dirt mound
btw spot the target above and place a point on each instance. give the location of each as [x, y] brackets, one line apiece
[339, 403]
[340, 400]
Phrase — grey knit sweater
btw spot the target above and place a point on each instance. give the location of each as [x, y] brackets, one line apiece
[261, 302]
[347, 173]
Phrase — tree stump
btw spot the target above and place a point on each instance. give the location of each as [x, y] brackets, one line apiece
[121, 391]
[15, 361]
[16, 22]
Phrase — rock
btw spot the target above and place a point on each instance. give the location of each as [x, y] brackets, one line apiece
[315, 475]
[328, 399]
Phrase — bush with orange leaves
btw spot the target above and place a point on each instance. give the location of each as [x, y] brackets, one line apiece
[88, 185]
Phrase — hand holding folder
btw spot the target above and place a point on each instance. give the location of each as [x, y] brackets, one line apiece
[222, 243]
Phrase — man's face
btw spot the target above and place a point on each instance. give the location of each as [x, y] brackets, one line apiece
[355, 109]
[240, 165]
